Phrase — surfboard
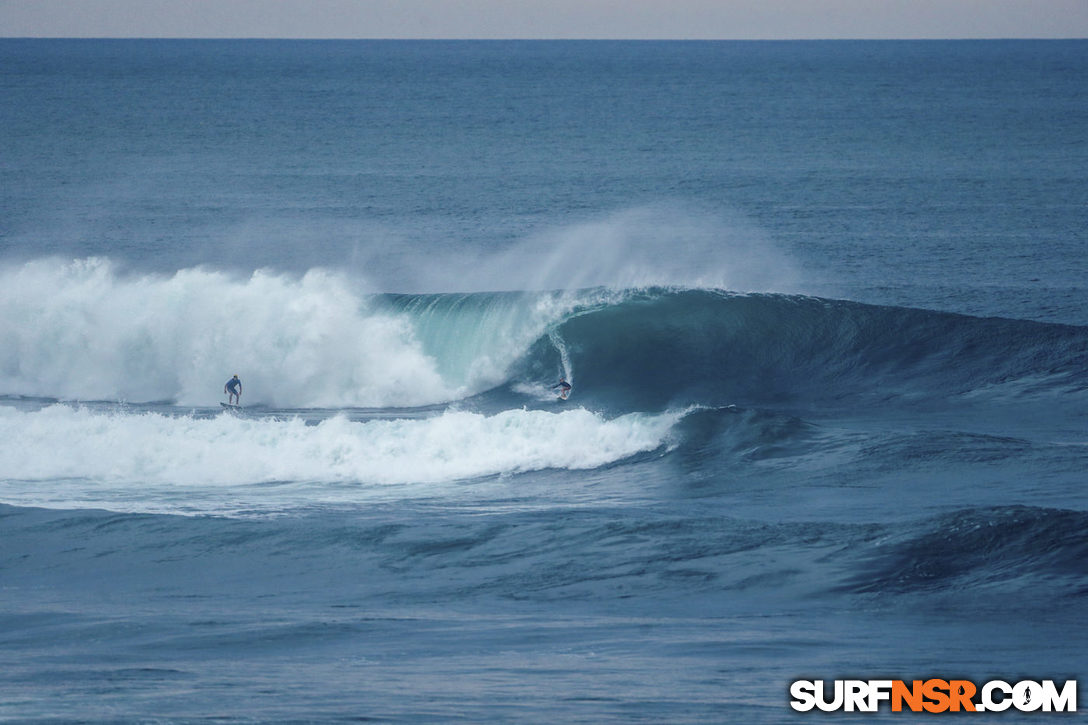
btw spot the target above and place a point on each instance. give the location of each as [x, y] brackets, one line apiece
[230, 405]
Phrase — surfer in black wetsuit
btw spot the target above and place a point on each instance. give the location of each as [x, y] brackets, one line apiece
[233, 389]
[564, 388]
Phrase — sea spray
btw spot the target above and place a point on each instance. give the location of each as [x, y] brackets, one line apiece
[83, 330]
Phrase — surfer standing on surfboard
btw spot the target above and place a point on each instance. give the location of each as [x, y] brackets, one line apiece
[233, 389]
[564, 388]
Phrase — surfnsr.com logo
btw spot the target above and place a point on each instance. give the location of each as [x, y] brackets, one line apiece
[933, 695]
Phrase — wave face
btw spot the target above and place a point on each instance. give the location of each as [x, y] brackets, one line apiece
[660, 348]
[87, 331]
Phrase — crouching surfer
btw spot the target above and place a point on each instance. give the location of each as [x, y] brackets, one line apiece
[233, 389]
[563, 387]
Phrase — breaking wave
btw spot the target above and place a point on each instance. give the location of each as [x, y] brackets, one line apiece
[87, 331]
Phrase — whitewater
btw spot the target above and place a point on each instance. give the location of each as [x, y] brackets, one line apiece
[822, 305]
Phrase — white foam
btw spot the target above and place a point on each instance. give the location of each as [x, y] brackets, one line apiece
[82, 330]
[106, 457]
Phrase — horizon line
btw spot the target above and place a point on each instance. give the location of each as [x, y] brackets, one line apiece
[551, 39]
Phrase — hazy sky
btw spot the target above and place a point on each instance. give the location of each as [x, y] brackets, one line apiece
[546, 18]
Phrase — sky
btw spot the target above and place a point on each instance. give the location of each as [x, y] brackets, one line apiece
[636, 19]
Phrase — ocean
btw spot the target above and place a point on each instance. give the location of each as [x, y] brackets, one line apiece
[823, 305]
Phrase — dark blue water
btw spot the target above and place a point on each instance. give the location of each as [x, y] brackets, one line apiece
[823, 306]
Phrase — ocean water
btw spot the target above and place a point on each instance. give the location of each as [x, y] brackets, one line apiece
[824, 307]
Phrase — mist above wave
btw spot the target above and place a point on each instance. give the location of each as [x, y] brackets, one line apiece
[665, 244]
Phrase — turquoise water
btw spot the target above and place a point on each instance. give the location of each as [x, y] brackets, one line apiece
[823, 305]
